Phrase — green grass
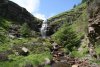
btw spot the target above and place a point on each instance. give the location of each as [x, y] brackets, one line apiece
[20, 61]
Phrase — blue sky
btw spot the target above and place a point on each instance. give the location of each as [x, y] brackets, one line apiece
[44, 9]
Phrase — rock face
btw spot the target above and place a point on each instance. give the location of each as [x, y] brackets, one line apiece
[14, 12]
[94, 19]
[94, 24]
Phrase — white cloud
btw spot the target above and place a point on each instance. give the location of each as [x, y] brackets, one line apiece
[39, 15]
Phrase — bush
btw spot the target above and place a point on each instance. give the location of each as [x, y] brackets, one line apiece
[66, 37]
[25, 30]
[3, 35]
[84, 1]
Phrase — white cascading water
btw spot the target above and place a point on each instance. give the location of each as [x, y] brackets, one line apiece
[44, 29]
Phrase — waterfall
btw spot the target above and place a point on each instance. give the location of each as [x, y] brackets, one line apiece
[44, 29]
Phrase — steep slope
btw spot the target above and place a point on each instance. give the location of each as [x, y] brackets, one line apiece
[74, 16]
[20, 45]
[69, 29]
[72, 31]
[94, 26]
[11, 11]
[73, 37]
[16, 21]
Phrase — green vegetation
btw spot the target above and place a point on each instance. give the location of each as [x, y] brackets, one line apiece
[10, 46]
[84, 1]
[21, 61]
[25, 30]
[73, 29]
[70, 30]
[66, 37]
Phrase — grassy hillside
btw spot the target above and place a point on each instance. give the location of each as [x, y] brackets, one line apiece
[11, 46]
[68, 29]
[71, 29]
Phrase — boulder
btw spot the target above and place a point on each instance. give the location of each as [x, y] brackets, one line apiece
[24, 51]
[75, 66]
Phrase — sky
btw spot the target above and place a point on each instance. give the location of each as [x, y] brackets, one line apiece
[44, 9]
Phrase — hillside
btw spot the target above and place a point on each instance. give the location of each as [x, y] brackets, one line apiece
[76, 30]
[72, 37]
[20, 44]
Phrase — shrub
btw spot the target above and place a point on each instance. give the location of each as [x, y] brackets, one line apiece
[25, 30]
[66, 37]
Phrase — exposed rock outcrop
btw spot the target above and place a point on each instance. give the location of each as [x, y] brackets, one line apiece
[20, 15]
[60, 59]
[94, 23]
[94, 20]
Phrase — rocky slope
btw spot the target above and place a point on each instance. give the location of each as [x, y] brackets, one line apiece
[94, 20]
[84, 20]
[94, 26]
[73, 37]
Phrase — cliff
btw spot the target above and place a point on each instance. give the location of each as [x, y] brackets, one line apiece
[18, 14]
[94, 20]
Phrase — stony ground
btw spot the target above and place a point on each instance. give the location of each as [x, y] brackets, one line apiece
[60, 59]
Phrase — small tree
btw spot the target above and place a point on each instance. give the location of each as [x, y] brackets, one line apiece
[74, 6]
[25, 30]
[66, 37]
[84, 1]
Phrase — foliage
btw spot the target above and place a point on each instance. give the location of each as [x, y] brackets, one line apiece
[3, 35]
[38, 52]
[84, 1]
[74, 6]
[66, 37]
[25, 30]
[4, 23]
[20, 61]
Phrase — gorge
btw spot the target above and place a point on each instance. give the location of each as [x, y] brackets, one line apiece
[68, 39]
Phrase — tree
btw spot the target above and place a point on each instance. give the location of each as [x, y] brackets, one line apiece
[66, 37]
[74, 6]
[84, 1]
[25, 30]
